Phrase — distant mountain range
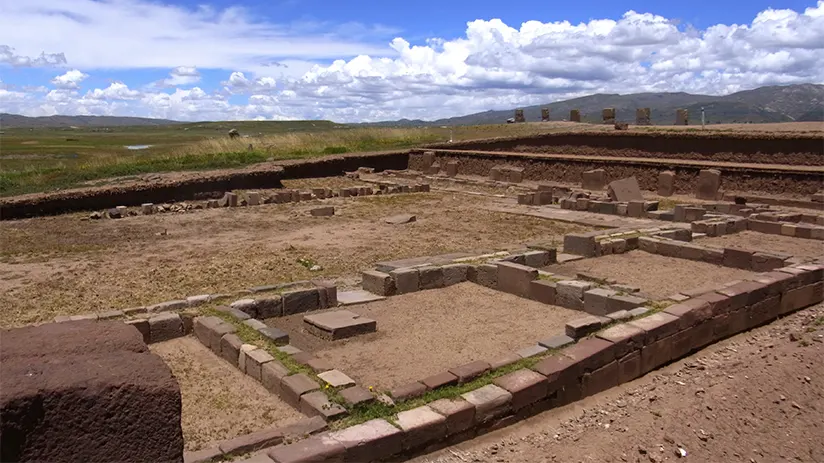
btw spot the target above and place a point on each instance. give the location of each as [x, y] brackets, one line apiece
[802, 102]
[14, 120]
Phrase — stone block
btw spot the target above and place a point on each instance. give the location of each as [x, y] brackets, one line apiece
[421, 426]
[452, 168]
[271, 375]
[326, 211]
[636, 209]
[247, 306]
[709, 181]
[624, 190]
[594, 179]
[690, 312]
[168, 306]
[626, 302]
[625, 338]
[405, 280]
[378, 282]
[469, 371]
[243, 356]
[454, 274]
[656, 354]
[276, 335]
[294, 386]
[374, 440]
[581, 244]
[557, 341]
[230, 345]
[526, 387]
[255, 359]
[515, 278]
[430, 277]
[657, 326]
[570, 293]
[314, 449]
[595, 300]
[440, 380]
[542, 291]
[601, 379]
[164, 327]
[317, 404]
[484, 275]
[801, 297]
[582, 204]
[356, 395]
[459, 414]
[299, 301]
[537, 258]
[490, 401]
[764, 262]
[327, 294]
[738, 258]
[408, 391]
[336, 378]
[583, 326]
[254, 323]
[666, 183]
[590, 354]
[504, 360]
[530, 351]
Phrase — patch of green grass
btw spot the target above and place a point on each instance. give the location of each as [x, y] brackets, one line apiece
[819, 321]
[666, 204]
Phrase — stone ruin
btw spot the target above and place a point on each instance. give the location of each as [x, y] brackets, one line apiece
[519, 115]
[86, 391]
[544, 114]
[642, 116]
[682, 117]
[608, 115]
[338, 324]
[575, 115]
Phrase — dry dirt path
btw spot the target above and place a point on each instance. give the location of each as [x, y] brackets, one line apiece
[756, 397]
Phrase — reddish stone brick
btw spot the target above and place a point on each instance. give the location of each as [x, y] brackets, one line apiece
[373, 440]
[356, 395]
[439, 380]
[542, 291]
[625, 338]
[515, 278]
[763, 262]
[526, 387]
[744, 294]
[271, 374]
[776, 282]
[690, 312]
[504, 360]
[317, 404]
[701, 335]
[600, 379]
[657, 326]
[737, 258]
[314, 449]
[656, 354]
[421, 426]
[763, 311]
[681, 343]
[590, 354]
[490, 401]
[408, 391]
[719, 304]
[470, 371]
[804, 296]
[459, 414]
[629, 367]
[294, 386]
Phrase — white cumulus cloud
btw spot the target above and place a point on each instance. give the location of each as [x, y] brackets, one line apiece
[71, 79]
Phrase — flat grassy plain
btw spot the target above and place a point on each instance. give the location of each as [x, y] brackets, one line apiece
[48, 159]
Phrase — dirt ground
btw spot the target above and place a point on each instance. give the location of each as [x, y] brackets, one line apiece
[219, 402]
[798, 247]
[66, 265]
[657, 276]
[756, 397]
[423, 333]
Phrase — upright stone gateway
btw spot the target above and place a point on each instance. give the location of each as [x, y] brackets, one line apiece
[519, 115]
[544, 114]
[575, 115]
[608, 115]
[682, 117]
[642, 116]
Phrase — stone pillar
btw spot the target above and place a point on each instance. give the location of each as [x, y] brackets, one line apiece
[594, 179]
[519, 115]
[709, 181]
[544, 114]
[666, 183]
[253, 198]
[575, 115]
[642, 116]
[682, 117]
[147, 208]
[608, 115]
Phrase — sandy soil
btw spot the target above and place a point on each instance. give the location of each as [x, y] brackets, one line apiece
[423, 333]
[657, 276]
[66, 265]
[756, 397]
[219, 402]
[799, 247]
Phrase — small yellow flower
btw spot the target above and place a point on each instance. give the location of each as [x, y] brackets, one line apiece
[370, 388]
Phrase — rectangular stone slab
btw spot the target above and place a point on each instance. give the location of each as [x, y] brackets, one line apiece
[338, 324]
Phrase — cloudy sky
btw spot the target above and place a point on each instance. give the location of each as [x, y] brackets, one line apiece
[369, 60]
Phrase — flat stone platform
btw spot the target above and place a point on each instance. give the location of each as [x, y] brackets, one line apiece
[338, 324]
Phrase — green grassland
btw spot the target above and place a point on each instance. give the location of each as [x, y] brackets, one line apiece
[49, 159]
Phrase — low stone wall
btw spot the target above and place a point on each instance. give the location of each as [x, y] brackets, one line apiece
[727, 257]
[86, 391]
[613, 356]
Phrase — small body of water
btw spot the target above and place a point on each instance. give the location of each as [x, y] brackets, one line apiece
[137, 147]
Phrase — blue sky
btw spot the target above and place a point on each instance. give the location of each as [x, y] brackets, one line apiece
[371, 60]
